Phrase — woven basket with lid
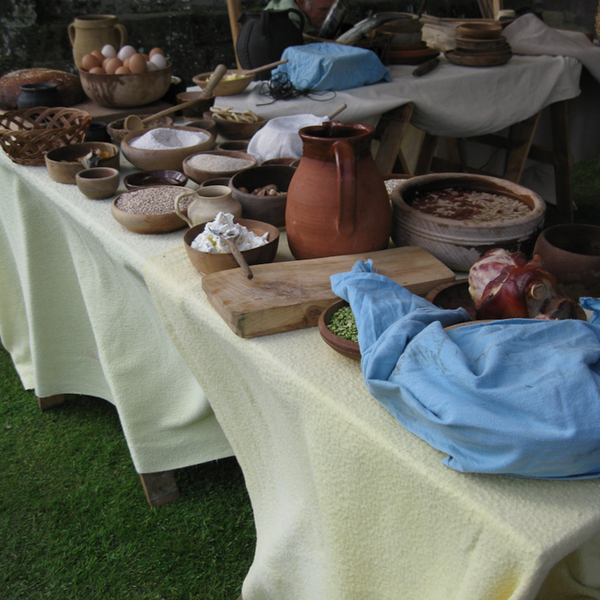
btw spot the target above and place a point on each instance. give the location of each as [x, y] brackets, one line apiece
[26, 135]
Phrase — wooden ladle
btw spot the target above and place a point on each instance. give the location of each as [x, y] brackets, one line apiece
[134, 123]
[264, 67]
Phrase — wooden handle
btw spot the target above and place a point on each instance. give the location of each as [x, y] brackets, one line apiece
[238, 257]
[337, 111]
[269, 66]
[218, 74]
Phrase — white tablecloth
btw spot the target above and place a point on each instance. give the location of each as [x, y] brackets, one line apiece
[76, 317]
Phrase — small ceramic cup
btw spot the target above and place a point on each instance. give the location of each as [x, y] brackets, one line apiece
[98, 183]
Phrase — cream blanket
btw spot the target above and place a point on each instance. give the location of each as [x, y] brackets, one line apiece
[76, 317]
[349, 505]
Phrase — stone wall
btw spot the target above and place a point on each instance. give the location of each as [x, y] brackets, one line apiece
[195, 33]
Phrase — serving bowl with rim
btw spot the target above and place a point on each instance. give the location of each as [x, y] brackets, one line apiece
[65, 162]
[199, 175]
[232, 83]
[142, 179]
[98, 183]
[148, 159]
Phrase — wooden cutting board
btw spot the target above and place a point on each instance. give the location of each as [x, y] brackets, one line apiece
[284, 296]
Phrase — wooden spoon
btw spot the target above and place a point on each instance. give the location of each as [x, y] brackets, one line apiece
[269, 66]
[134, 123]
[230, 239]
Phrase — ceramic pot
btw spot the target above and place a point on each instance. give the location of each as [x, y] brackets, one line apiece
[97, 132]
[571, 253]
[39, 94]
[93, 32]
[208, 203]
[337, 200]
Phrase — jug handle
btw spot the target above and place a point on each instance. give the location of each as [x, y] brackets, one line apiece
[180, 214]
[123, 31]
[72, 33]
[346, 176]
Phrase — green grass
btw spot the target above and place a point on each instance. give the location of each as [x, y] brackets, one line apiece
[74, 522]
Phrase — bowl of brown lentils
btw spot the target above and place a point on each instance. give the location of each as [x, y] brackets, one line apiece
[337, 327]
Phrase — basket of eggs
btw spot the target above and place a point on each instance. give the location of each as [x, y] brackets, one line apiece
[125, 78]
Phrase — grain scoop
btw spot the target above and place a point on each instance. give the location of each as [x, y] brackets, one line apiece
[134, 123]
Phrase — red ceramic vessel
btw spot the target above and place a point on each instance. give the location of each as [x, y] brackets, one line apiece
[337, 200]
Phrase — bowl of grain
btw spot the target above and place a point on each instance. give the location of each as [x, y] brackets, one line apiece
[337, 327]
[165, 147]
[150, 210]
[216, 163]
[458, 217]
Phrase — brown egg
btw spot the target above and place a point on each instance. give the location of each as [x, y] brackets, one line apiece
[98, 55]
[98, 71]
[112, 64]
[155, 51]
[137, 64]
[89, 61]
[123, 71]
[126, 62]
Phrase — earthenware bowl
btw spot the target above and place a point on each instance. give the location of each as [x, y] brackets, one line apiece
[116, 129]
[238, 130]
[450, 296]
[171, 158]
[64, 163]
[239, 145]
[216, 181]
[142, 179]
[341, 345]
[226, 87]
[198, 109]
[479, 30]
[203, 123]
[288, 161]
[571, 253]
[98, 183]
[270, 209]
[205, 262]
[199, 175]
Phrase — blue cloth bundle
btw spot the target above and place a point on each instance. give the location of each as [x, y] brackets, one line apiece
[328, 66]
[519, 397]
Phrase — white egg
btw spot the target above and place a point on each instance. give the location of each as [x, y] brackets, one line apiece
[159, 60]
[150, 66]
[126, 52]
[108, 51]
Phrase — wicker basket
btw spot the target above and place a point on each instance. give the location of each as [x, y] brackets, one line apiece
[26, 135]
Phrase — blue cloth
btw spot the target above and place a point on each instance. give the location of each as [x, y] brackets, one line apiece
[519, 397]
[328, 66]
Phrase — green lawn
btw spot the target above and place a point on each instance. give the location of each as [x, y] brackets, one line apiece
[74, 522]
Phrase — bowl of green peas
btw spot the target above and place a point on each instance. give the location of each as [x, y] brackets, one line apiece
[337, 327]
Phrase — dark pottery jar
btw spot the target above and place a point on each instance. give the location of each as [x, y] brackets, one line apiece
[39, 94]
[97, 132]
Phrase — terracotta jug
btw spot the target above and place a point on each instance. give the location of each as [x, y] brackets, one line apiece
[337, 200]
[93, 32]
[208, 202]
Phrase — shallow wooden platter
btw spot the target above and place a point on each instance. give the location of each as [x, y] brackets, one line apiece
[478, 59]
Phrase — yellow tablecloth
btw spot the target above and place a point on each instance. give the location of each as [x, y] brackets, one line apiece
[76, 317]
[349, 505]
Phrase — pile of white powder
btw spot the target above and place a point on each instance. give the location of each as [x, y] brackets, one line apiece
[163, 138]
[223, 224]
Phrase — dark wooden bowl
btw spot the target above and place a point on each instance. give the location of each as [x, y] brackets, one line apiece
[143, 179]
[450, 296]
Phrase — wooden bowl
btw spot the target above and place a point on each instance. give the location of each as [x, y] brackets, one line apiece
[479, 30]
[216, 181]
[235, 130]
[450, 296]
[240, 145]
[98, 183]
[204, 123]
[126, 91]
[164, 222]
[571, 253]
[270, 209]
[289, 161]
[199, 176]
[205, 262]
[172, 158]
[142, 179]
[117, 131]
[198, 109]
[63, 166]
[344, 347]
[226, 87]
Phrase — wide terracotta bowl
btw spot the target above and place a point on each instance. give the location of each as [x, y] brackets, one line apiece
[453, 295]
[126, 91]
[199, 175]
[339, 344]
[571, 253]
[64, 163]
[270, 209]
[172, 158]
[98, 183]
[142, 179]
[458, 243]
[116, 129]
[205, 262]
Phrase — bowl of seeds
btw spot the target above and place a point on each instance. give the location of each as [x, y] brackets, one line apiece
[150, 209]
[216, 163]
[337, 327]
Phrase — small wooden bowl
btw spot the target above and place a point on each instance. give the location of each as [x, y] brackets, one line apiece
[63, 166]
[199, 176]
[236, 130]
[453, 295]
[239, 145]
[225, 87]
[204, 123]
[198, 109]
[205, 262]
[143, 179]
[344, 347]
[479, 30]
[288, 161]
[98, 183]
[172, 158]
[117, 130]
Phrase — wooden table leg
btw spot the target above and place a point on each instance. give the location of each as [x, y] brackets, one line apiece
[426, 155]
[563, 161]
[160, 488]
[393, 124]
[521, 144]
[50, 401]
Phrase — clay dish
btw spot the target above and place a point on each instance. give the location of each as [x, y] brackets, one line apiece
[344, 347]
[571, 253]
[225, 87]
[204, 123]
[205, 262]
[63, 164]
[270, 209]
[450, 296]
[240, 145]
[98, 183]
[199, 176]
[197, 110]
[479, 30]
[289, 161]
[236, 130]
[172, 158]
[216, 181]
[126, 91]
[117, 132]
[142, 179]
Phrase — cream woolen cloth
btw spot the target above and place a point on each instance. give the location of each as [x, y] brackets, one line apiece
[348, 504]
[76, 317]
